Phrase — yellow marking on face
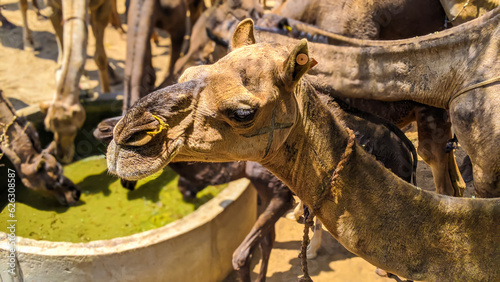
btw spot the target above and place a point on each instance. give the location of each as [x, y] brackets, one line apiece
[163, 126]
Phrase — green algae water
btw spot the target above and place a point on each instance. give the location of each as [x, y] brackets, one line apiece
[106, 210]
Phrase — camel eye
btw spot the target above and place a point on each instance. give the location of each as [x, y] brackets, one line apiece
[242, 115]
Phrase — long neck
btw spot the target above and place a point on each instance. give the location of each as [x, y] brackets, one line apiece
[428, 69]
[75, 51]
[378, 216]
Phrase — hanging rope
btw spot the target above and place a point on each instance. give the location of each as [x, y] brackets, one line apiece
[317, 201]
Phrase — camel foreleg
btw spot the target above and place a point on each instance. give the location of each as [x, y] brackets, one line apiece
[262, 233]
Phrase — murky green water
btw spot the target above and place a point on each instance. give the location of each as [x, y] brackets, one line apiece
[107, 210]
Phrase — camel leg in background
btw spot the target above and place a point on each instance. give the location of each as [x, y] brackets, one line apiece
[114, 18]
[99, 19]
[266, 245]
[27, 36]
[56, 20]
[263, 230]
[434, 131]
[315, 242]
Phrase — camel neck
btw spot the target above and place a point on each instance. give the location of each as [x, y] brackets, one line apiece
[368, 204]
[429, 69]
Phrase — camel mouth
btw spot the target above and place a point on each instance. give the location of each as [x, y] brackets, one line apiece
[133, 163]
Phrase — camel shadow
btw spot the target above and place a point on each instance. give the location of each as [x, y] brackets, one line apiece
[12, 6]
[119, 72]
[45, 42]
[97, 183]
[151, 189]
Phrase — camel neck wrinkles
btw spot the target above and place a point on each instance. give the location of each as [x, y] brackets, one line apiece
[370, 210]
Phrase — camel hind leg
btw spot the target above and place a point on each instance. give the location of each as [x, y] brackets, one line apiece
[434, 131]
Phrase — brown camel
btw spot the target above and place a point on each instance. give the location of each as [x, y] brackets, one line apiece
[254, 104]
[201, 49]
[37, 169]
[382, 19]
[175, 17]
[380, 138]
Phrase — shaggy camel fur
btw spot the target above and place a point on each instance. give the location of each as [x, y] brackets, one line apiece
[37, 169]
[254, 104]
[385, 19]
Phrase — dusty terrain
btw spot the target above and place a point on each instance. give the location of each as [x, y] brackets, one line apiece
[28, 78]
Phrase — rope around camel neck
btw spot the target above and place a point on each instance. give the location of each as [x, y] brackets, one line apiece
[474, 86]
[318, 200]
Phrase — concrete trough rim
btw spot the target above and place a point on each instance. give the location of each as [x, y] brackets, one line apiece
[197, 218]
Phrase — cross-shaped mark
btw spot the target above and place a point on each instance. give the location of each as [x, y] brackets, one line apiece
[270, 129]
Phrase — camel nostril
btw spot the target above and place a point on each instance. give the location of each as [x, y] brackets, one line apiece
[137, 139]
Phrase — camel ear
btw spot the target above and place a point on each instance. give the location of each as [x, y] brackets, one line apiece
[296, 65]
[243, 35]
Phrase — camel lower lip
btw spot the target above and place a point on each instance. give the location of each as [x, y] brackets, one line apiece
[117, 166]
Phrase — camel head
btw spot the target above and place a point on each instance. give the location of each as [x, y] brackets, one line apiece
[45, 175]
[241, 108]
[64, 120]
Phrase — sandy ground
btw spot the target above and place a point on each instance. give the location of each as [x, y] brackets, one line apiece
[29, 78]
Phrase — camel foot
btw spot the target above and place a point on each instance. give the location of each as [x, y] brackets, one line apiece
[311, 254]
[29, 46]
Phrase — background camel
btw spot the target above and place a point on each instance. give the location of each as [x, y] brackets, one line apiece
[64, 114]
[433, 125]
[37, 169]
[175, 17]
[254, 104]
